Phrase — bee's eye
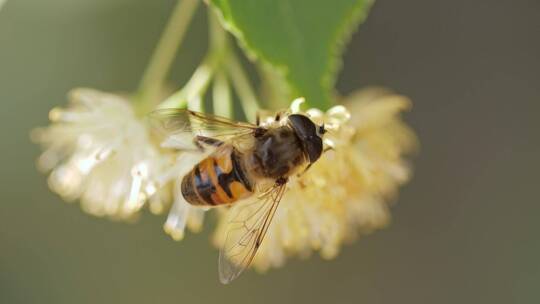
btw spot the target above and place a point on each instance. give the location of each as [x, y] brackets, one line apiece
[322, 130]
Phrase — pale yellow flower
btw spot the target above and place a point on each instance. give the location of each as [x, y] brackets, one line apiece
[98, 151]
[348, 190]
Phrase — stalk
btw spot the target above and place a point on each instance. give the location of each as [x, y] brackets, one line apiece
[165, 52]
[243, 87]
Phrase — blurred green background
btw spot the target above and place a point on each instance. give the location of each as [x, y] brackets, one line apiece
[465, 230]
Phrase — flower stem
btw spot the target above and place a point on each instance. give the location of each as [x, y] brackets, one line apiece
[166, 49]
[218, 36]
[195, 87]
[274, 88]
[240, 81]
[222, 64]
[221, 93]
[221, 96]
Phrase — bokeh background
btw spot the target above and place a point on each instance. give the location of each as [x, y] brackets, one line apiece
[465, 230]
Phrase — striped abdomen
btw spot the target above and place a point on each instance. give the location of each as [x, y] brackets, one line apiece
[217, 180]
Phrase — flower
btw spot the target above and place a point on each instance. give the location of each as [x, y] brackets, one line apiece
[98, 151]
[347, 191]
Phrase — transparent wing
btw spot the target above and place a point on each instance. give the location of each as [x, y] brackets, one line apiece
[248, 224]
[173, 121]
[179, 126]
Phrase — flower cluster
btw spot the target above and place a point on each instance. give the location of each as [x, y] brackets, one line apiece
[347, 191]
[98, 151]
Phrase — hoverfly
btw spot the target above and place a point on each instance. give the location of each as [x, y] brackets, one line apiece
[242, 162]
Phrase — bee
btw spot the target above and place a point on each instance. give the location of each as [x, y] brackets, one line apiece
[245, 166]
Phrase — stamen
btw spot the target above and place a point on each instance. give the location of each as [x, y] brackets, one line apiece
[297, 104]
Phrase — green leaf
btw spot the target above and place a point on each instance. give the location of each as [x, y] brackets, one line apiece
[302, 38]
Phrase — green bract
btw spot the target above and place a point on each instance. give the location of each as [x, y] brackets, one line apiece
[302, 38]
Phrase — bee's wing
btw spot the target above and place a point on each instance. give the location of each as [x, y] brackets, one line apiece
[248, 224]
[179, 126]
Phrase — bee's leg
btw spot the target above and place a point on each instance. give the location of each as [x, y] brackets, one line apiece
[258, 118]
[309, 165]
[305, 170]
[259, 132]
[200, 141]
[278, 116]
[281, 181]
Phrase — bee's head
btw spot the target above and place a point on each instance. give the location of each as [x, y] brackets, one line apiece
[310, 135]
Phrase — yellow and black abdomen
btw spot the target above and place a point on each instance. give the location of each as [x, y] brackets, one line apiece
[218, 179]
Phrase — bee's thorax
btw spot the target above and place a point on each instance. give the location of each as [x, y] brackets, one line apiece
[276, 153]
